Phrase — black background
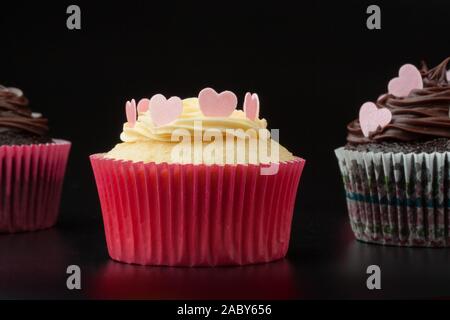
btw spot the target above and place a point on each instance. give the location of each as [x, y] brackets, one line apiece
[313, 64]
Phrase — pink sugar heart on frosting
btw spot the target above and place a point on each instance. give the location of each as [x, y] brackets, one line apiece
[251, 106]
[409, 78]
[130, 110]
[143, 105]
[213, 104]
[371, 117]
[164, 111]
[382, 96]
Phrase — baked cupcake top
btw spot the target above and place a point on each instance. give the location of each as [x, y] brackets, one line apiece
[413, 113]
[18, 125]
[206, 129]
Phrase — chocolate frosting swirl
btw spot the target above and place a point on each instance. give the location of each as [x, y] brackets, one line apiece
[421, 116]
[16, 116]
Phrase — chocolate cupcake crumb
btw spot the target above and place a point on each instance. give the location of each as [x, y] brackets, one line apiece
[435, 145]
[22, 138]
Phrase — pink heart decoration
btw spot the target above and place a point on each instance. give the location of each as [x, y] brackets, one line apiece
[130, 110]
[143, 105]
[213, 104]
[409, 78]
[371, 117]
[382, 96]
[251, 106]
[164, 111]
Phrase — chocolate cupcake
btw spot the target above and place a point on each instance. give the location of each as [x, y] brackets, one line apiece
[32, 166]
[18, 125]
[396, 163]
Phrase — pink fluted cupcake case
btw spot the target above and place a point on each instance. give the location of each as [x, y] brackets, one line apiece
[195, 215]
[31, 179]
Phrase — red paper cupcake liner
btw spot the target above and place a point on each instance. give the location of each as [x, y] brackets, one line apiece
[195, 215]
[31, 178]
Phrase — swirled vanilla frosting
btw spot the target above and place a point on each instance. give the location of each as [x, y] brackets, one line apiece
[145, 130]
[143, 141]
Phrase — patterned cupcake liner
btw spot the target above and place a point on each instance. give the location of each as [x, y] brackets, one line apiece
[31, 178]
[195, 215]
[396, 198]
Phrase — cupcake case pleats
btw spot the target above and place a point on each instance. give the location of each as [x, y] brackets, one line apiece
[31, 184]
[398, 199]
[190, 215]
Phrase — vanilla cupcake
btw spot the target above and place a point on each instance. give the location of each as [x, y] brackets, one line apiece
[197, 182]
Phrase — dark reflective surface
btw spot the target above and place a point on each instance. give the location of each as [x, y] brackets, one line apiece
[313, 66]
[324, 261]
[268, 281]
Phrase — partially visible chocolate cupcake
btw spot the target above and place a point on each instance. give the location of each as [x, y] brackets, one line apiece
[32, 166]
[18, 125]
[396, 163]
